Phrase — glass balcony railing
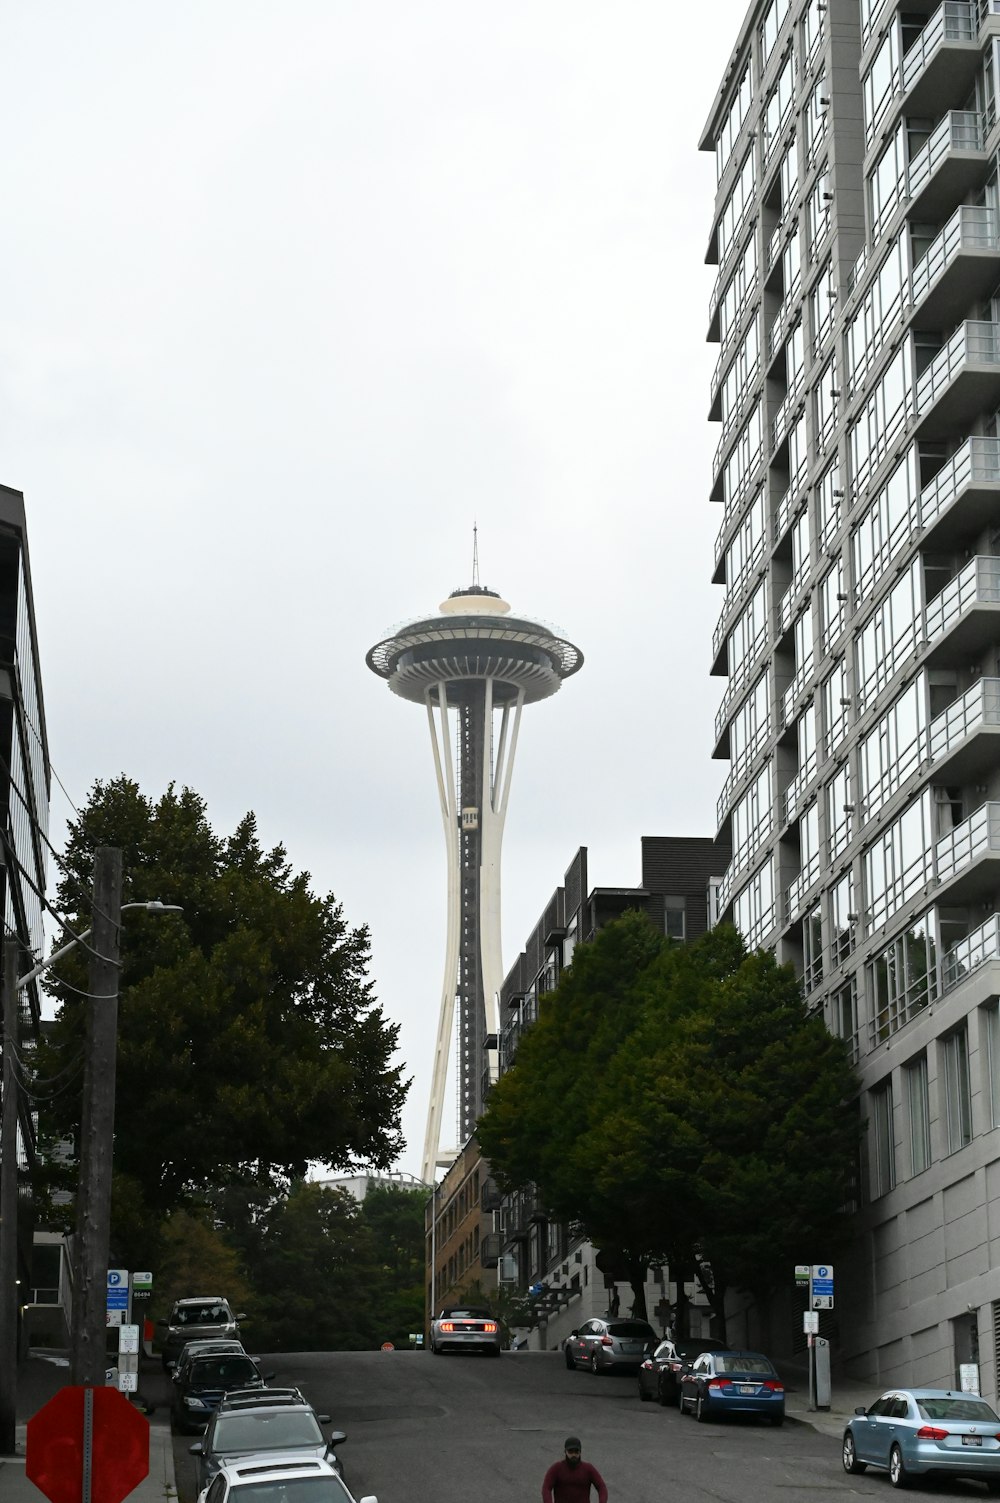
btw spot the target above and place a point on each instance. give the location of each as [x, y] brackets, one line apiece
[960, 130]
[786, 606]
[977, 584]
[973, 343]
[738, 682]
[969, 228]
[977, 707]
[796, 891]
[982, 945]
[954, 21]
[795, 690]
[793, 797]
[977, 836]
[977, 462]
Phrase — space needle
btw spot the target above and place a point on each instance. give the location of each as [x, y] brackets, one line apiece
[473, 667]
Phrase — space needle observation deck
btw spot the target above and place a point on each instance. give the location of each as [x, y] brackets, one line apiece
[474, 667]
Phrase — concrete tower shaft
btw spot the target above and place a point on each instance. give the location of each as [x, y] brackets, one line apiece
[473, 667]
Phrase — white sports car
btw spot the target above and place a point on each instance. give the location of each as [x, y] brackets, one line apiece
[462, 1328]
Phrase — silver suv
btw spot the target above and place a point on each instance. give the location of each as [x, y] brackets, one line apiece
[202, 1317]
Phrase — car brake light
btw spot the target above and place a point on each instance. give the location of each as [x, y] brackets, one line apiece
[773, 1385]
[719, 1383]
[607, 1341]
[447, 1325]
[490, 1327]
[932, 1432]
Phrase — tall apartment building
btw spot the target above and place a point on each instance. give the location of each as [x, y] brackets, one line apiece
[857, 310]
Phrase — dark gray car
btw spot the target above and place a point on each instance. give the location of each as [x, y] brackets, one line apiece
[248, 1422]
[201, 1317]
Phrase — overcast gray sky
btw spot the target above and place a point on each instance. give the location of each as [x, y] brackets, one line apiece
[291, 294]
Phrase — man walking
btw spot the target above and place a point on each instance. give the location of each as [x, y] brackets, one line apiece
[570, 1480]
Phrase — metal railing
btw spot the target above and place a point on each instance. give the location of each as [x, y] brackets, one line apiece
[794, 692]
[785, 608]
[793, 798]
[977, 584]
[982, 945]
[977, 707]
[960, 130]
[954, 21]
[974, 342]
[738, 683]
[976, 462]
[974, 837]
[969, 228]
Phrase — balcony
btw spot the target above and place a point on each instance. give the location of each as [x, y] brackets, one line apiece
[795, 895]
[785, 609]
[962, 381]
[950, 163]
[962, 620]
[794, 797]
[961, 266]
[941, 64]
[738, 684]
[950, 507]
[976, 949]
[962, 857]
[962, 740]
[795, 691]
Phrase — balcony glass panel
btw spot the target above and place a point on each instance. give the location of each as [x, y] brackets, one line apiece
[960, 130]
[978, 706]
[979, 947]
[978, 583]
[954, 21]
[969, 228]
[976, 836]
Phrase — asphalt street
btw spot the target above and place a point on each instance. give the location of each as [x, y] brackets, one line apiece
[464, 1429]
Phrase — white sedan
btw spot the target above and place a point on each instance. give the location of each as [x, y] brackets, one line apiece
[464, 1328]
[278, 1479]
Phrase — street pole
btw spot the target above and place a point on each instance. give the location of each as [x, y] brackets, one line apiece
[93, 1202]
[8, 1204]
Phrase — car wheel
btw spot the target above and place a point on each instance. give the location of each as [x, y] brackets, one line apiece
[898, 1475]
[849, 1456]
[569, 1360]
[700, 1412]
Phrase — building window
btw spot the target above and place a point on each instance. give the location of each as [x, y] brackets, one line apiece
[673, 918]
[919, 1112]
[844, 1017]
[812, 950]
[991, 1017]
[819, 207]
[884, 1156]
[842, 918]
[957, 1090]
[735, 116]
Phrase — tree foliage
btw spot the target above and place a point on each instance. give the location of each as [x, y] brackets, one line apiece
[249, 1039]
[679, 1103]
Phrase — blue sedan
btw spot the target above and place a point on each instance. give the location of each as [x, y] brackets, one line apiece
[911, 1432]
[721, 1383]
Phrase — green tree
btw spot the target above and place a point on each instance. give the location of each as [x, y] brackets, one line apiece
[315, 1274]
[394, 1216]
[705, 1119]
[249, 1039]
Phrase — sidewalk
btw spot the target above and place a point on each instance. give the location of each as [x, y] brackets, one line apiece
[844, 1399]
[38, 1379]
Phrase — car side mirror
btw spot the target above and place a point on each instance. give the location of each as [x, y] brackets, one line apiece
[162, 1323]
[241, 1317]
[336, 1436]
[574, 1333]
[269, 1376]
[197, 1449]
[861, 1409]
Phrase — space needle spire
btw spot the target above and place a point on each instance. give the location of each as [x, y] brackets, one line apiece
[473, 667]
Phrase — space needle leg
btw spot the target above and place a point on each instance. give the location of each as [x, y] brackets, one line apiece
[496, 792]
[445, 772]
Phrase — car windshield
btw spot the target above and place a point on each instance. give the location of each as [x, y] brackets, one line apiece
[956, 1409]
[466, 1314]
[200, 1315]
[223, 1372]
[688, 1350]
[630, 1328]
[291, 1490]
[738, 1362]
[266, 1432]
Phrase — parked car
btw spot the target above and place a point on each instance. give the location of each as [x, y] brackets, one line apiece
[204, 1348]
[730, 1382]
[199, 1382]
[603, 1346]
[660, 1370]
[268, 1419]
[912, 1432]
[278, 1479]
[204, 1315]
[464, 1328]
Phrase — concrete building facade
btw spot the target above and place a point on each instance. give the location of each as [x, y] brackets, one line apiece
[857, 312]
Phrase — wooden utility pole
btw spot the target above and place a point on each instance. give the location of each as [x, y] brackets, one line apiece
[93, 1197]
[8, 1203]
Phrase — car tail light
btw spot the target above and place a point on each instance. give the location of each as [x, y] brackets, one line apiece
[447, 1325]
[674, 1367]
[490, 1327]
[932, 1432]
[607, 1341]
[719, 1383]
[773, 1385]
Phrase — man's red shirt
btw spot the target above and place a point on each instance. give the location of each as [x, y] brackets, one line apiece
[571, 1484]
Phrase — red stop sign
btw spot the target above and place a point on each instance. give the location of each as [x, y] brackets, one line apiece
[120, 1447]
